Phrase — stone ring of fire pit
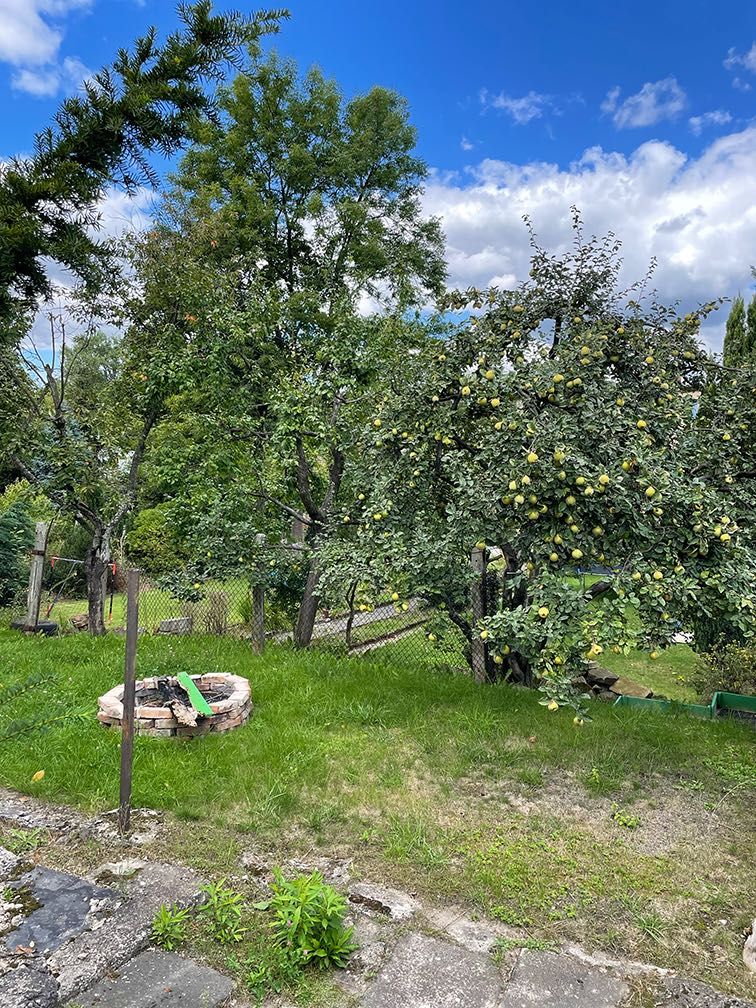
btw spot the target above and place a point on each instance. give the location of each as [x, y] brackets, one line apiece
[162, 707]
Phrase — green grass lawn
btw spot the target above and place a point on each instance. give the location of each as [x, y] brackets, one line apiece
[473, 794]
[668, 675]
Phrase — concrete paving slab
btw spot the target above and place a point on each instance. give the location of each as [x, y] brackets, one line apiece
[681, 993]
[429, 973]
[93, 953]
[157, 979]
[374, 936]
[64, 903]
[399, 906]
[552, 980]
[475, 935]
[27, 984]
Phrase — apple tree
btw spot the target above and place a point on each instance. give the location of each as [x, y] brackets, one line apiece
[566, 428]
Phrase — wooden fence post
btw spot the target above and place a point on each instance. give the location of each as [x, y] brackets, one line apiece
[258, 602]
[36, 570]
[127, 720]
[478, 606]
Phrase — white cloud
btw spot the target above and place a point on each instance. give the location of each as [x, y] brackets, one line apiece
[718, 117]
[47, 81]
[655, 101]
[746, 60]
[30, 37]
[696, 215]
[465, 144]
[522, 110]
[119, 214]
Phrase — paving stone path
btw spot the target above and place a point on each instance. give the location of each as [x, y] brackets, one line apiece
[84, 943]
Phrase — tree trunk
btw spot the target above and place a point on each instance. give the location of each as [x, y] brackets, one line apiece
[308, 607]
[350, 617]
[95, 568]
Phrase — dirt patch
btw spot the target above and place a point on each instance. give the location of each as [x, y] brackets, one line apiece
[662, 819]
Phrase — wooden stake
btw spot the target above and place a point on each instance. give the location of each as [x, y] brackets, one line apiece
[258, 602]
[129, 680]
[478, 606]
[258, 617]
[36, 571]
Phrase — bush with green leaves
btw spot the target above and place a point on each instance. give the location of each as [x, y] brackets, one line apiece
[169, 927]
[223, 908]
[16, 537]
[308, 921]
[731, 668]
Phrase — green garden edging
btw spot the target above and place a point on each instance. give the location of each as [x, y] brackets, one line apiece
[721, 703]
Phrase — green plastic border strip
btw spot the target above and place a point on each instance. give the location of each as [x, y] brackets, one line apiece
[721, 701]
[195, 697]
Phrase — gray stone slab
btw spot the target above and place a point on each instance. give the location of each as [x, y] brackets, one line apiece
[429, 973]
[8, 862]
[552, 980]
[126, 932]
[65, 903]
[157, 979]
[26, 983]
[399, 906]
[681, 993]
[475, 935]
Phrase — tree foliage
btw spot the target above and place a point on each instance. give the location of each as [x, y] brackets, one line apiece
[285, 215]
[736, 346]
[571, 429]
[144, 104]
[16, 538]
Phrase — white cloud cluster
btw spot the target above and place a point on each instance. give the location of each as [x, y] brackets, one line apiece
[695, 215]
[719, 117]
[47, 81]
[119, 214]
[656, 101]
[736, 62]
[747, 60]
[522, 110]
[30, 39]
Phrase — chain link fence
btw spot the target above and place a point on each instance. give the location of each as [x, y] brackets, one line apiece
[249, 608]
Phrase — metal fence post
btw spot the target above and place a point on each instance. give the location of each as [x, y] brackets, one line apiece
[478, 606]
[129, 680]
[36, 570]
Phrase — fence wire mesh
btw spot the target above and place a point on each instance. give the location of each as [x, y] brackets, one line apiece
[404, 631]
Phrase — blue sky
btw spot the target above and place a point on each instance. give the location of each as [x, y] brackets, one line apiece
[644, 113]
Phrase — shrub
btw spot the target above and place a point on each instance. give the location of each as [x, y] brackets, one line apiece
[731, 668]
[309, 920]
[169, 927]
[223, 907]
[153, 543]
[16, 537]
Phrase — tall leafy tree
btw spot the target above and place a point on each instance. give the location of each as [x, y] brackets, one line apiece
[751, 326]
[288, 215]
[58, 433]
[735, 347]
[82, 421]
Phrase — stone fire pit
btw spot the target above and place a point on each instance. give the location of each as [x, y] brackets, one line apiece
[163, 709]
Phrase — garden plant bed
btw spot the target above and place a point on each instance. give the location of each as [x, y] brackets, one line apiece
[163, 708]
